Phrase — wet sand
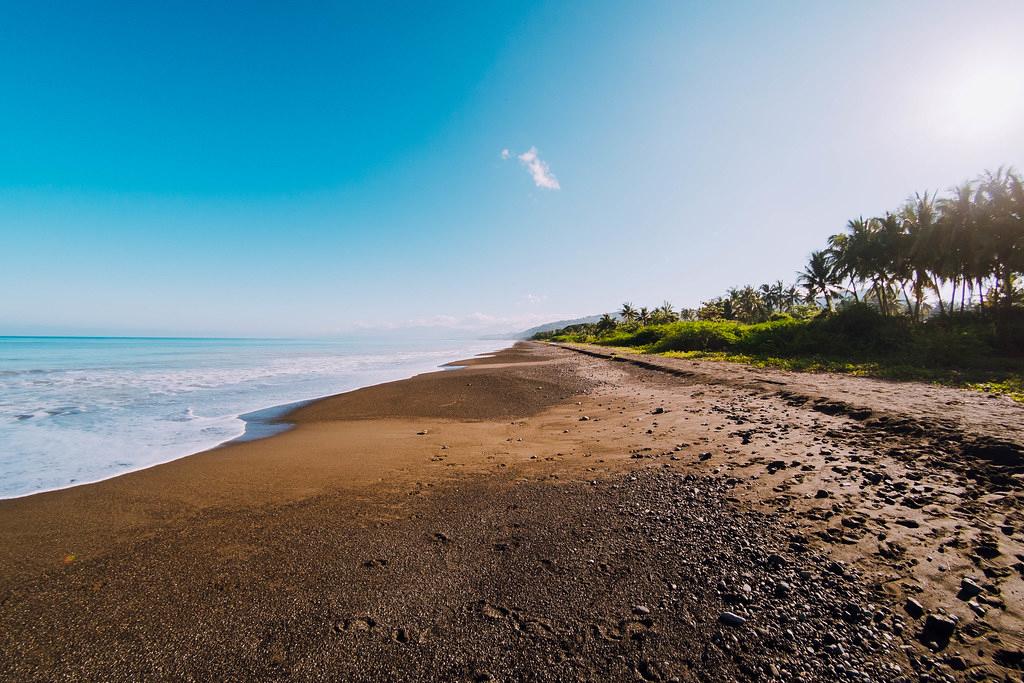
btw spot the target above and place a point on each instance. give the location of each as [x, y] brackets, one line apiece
[545, 514]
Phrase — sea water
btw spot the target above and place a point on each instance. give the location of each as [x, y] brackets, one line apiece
[76, 410]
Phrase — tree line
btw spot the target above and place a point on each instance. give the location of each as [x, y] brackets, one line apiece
[967, 245]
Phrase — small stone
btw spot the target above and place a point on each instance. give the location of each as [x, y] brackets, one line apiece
[957, 662]
[968, 589]
[641, 610]
[938, 629]
[913, 608]
[822, 493]
[584, 418]
[731, 619]
[836, 568]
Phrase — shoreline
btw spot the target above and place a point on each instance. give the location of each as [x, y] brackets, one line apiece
[273, 420]
[266, 423]
[542, 513]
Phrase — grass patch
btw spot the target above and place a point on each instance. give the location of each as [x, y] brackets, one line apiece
[999, 383]
[1011, 386]
[958, 352]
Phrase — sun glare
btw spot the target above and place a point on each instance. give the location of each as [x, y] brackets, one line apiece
[981, 103]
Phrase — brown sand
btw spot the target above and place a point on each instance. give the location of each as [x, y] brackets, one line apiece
[470, 524]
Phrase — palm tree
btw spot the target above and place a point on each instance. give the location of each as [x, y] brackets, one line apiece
[666, 313]
[846, 251]
[777, 292]
[791, 297]
[605, 324]
[644, 316]
[627, 313]
[958, 254]
[924, 232]
[999, 203]
[819, 278]
[887, 260]
[768, 297]
[747, 304]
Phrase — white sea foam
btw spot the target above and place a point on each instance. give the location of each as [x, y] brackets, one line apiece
[80, 410]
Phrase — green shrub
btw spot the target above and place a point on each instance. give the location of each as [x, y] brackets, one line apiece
[858, 333]
[703, 335]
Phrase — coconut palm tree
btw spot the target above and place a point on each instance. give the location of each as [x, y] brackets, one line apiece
[848, 252]
[666, 313]
[925, 235]
[747, 305]
[627, 313]
[771, 296]
[999, 205]
[888, 261]
[819, 278]
[644, 316]
[606, 324]
[791, 297]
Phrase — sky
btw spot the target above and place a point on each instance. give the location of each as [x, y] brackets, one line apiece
[327, 169]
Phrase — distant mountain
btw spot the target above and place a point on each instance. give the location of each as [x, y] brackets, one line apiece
[557, 325]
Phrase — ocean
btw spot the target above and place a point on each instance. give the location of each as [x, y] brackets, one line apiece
[82, 409]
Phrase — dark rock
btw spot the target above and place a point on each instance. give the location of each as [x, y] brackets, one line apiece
[938, 629]
[913, 608]
[987, 548]
[956, 662]
[968, 589]
[852, 612]
[1011, 659]
[731, 619]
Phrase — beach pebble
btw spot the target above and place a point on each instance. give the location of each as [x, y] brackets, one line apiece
[968, 589]
[731, 619]
[938, 629]
[913, 608]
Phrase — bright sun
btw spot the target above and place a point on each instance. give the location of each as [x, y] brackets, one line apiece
[981, 103]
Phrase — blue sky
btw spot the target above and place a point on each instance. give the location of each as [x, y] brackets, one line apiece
[306, 169]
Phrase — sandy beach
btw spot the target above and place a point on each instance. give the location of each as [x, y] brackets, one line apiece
[547, 514]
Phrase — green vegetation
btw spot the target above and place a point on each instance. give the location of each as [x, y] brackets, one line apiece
[926, 292]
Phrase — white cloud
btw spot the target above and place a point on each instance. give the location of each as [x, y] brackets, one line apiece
[538, 168]
[536, 298]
